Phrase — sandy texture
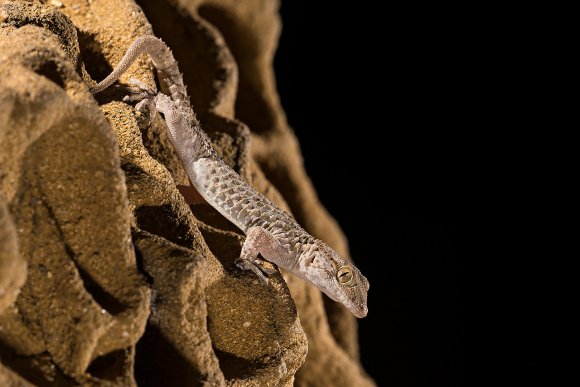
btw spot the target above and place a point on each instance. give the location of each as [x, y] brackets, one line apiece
[12, 264]
[125, 283]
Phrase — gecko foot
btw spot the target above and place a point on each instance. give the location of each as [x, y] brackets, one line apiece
[258, 269]
[137, 91]
[144, 95]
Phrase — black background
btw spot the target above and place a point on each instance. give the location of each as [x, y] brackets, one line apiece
[385, 91]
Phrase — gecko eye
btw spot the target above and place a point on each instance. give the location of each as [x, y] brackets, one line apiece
[344, 275]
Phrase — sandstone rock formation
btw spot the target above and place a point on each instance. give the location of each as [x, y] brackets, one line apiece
[107, 276]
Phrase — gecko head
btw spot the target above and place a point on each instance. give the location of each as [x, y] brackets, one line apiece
[338, 278]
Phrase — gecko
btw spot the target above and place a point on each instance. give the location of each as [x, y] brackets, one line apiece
[270, 231]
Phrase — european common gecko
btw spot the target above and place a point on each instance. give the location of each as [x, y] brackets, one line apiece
[269, 230]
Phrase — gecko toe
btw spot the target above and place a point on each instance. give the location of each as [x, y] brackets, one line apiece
[264, 266]
[247, 265]
[137, 91]
[133, 97]
[141, 106]
[142, 86]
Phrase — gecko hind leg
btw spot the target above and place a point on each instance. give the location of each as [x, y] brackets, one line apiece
[144, 95]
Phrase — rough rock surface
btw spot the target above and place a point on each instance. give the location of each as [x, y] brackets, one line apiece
[107, 276]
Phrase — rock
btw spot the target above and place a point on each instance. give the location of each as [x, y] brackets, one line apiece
[12, 266]
[127, 284]
[84, 301]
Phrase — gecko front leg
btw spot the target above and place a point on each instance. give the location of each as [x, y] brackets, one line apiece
[261, 241]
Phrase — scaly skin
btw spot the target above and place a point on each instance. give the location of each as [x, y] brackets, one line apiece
[269, 230]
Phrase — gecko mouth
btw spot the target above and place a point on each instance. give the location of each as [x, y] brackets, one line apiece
[359, 309]
[360, 313]
[358, 306]
[354, 308]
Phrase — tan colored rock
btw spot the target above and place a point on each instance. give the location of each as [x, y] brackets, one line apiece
[12, 379]
[84, 301]
[76, 185]
[12, 266]
[177, 328]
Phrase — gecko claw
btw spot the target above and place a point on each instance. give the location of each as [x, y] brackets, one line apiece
[247, 265]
